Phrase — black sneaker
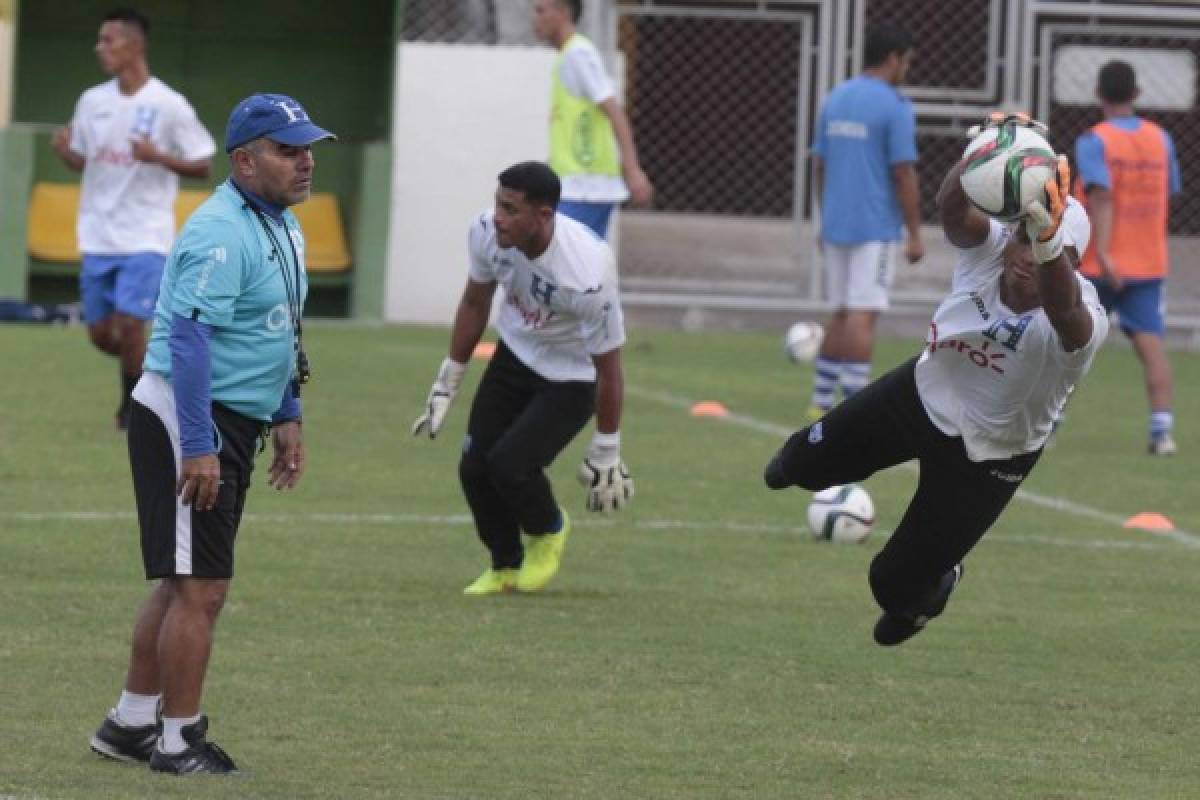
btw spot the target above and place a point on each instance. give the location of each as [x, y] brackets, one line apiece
[893, 629]
[123, 743]
[201, 756]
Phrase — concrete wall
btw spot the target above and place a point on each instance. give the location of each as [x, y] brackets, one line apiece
[462, 114]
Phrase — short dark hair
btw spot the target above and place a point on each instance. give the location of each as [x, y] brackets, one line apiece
[535, 180]
[130, 16]
[573, 7]
[1117, 82]
[883, 40]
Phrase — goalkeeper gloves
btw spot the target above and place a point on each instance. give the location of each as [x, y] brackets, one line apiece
[1044, 225]
[442, 393]
[998, 119]
[605, 475]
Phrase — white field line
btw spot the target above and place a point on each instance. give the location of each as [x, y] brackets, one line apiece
[763, 426]
[463, 520]
[1043, 501]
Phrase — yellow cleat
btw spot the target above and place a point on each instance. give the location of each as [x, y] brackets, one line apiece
[543, 554]
[493, 581]
[814, 413]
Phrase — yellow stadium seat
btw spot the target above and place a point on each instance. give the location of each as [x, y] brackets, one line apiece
[54, 206]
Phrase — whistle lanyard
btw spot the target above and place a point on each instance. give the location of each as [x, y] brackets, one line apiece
[291, 283]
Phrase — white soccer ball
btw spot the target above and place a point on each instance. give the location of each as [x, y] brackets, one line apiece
[802, 341]
[1007, 169]
[841, 514]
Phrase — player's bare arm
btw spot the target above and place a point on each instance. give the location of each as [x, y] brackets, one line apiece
[1100, 209]
[610, 390]
[61, 143]
[144, 150]
[965, 225]
[641, 191]
[908, 193]
[1061, 298]
[471, 319]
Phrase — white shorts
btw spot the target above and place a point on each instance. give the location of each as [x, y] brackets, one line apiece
[858, 276]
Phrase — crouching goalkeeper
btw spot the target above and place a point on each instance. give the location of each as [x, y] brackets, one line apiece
[558, 359]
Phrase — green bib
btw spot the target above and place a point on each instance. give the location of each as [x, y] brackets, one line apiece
[581, 137]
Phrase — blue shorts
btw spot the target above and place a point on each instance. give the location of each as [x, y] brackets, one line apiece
[594, 215]
[125, 283]
[1139, 304]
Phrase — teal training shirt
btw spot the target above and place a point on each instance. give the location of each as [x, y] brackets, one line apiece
[226, 271]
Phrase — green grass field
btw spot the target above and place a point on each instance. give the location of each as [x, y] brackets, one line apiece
[700, 645]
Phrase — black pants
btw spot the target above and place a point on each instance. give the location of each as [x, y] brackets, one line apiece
[956, 502]
[519, 423]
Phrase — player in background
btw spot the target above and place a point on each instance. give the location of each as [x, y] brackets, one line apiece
[559, 357]
[131, 137]
[591, 139]
[864, 154]
[1005, 348]
[1127, 174]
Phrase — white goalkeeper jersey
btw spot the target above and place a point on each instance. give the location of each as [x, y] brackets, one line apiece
[995, 377]
[559, 309]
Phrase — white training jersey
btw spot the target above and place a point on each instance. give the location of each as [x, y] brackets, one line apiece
[127, 206]
[582, 73]
[995, 377]
[559, 309]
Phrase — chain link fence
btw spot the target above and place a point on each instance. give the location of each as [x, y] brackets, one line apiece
[505, 22]
[723, 97]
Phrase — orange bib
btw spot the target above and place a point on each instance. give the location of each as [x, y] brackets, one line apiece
[1138, 168]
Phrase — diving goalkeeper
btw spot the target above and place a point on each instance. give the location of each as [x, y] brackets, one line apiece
[1005, 349]
[558, 359]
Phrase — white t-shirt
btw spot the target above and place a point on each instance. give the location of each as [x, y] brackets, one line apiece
[559, 309]
[127, 206]
[995, 377]
[582, 73]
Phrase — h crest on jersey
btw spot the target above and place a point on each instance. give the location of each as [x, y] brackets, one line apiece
[143, 121]
[1008, 331]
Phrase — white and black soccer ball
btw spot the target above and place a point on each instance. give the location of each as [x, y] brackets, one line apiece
[1007, 169]
[803, 341]
[841, 514]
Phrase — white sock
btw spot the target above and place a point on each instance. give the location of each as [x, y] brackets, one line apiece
[136, 710]
[855, 377]
[1161, 423]
[172, 736]
[825, 382]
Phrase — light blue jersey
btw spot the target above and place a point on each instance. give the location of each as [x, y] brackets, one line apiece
[865, 128]
[225, 271]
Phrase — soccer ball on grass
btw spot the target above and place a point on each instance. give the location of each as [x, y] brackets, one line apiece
[803, 341]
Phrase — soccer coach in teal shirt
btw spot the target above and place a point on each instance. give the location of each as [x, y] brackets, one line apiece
[224, 367]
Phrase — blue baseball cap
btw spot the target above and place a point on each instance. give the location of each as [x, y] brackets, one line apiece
[275, 116]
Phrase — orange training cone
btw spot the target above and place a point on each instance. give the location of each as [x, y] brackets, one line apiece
[484, 350]
[709, 408]
[1149, 521]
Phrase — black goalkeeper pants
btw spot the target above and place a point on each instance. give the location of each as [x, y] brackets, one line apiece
[956, 502]
[519, 424]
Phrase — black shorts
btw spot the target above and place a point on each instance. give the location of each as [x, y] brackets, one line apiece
[176, 539]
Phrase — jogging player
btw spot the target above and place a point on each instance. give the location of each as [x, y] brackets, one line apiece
[132, 137]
